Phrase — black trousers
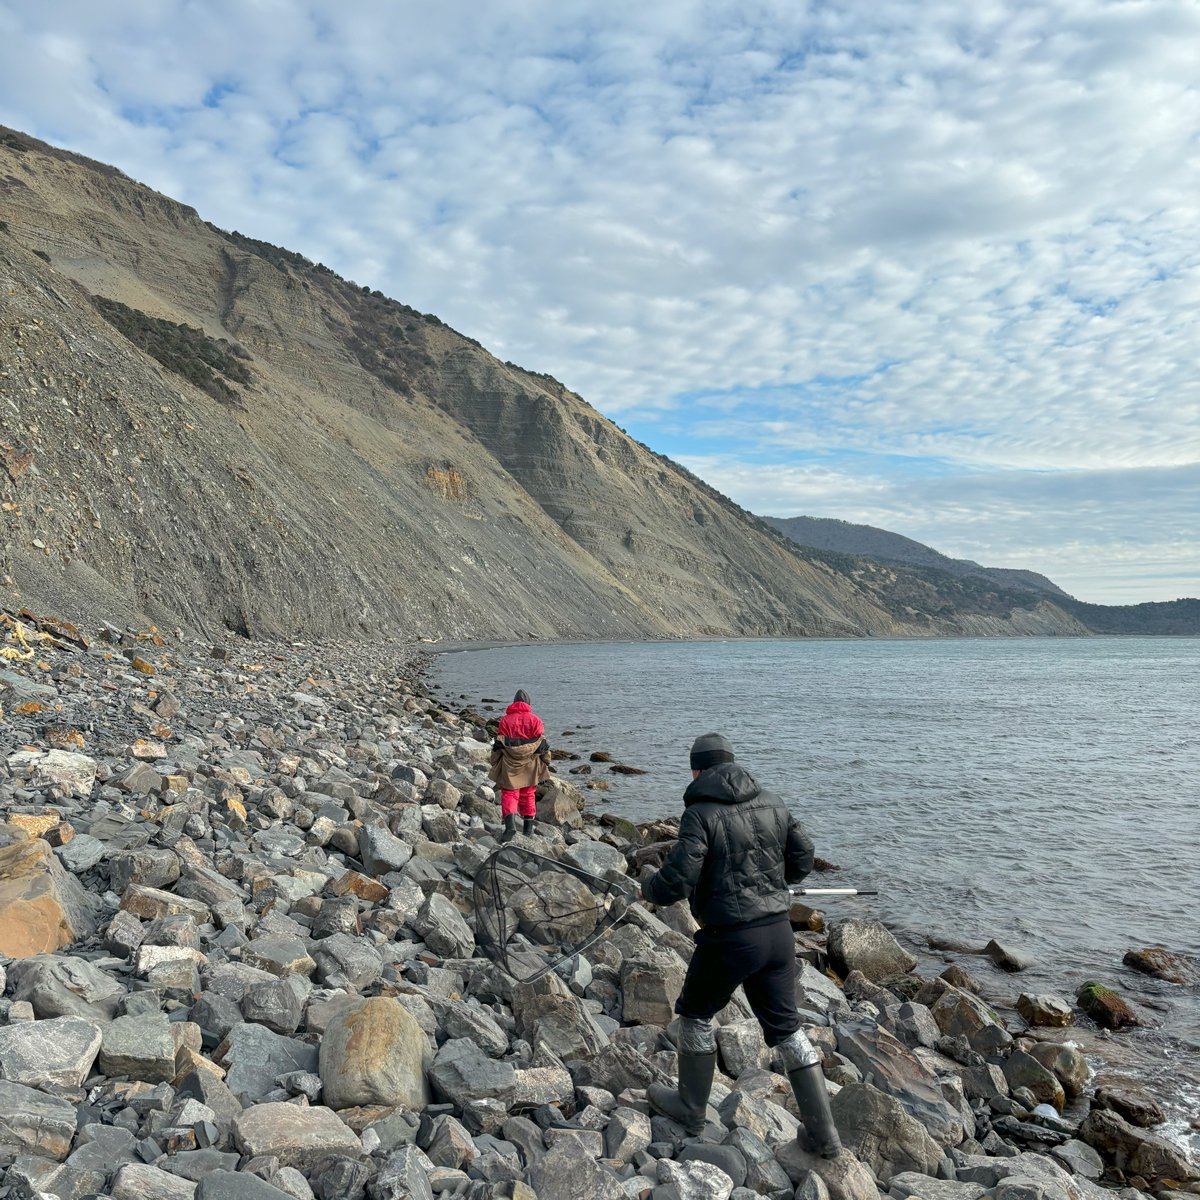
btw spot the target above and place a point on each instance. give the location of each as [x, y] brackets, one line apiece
[762, 959]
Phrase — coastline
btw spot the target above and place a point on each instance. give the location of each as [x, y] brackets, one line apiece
[254, 846]
[1115, 1056]
[436, 648]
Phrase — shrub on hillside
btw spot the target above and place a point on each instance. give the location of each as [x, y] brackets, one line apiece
[188, 352]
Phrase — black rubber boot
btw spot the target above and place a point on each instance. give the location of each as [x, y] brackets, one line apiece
[510, 828]
[527, 826]
[817, 1134]
[688, 1104]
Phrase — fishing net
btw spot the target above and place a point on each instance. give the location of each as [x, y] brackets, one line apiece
[533, 913]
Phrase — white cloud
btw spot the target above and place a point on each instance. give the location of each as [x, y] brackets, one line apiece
[978, 219]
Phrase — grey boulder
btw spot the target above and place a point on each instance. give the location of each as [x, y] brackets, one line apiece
[878, 1130]
[595, 858]
[405, 1176]
[895, 1070]
[140, 1181]
[254, 1057]
[58, 1052]
[347, 963]
[651, 985]
[33, 1123]
[565, 1173]
[61, 986]
[462, 1073]
[140, 1047]
[443, 928]
[297, 1137]
[237, 1185]
[381, 851]
[867, 946]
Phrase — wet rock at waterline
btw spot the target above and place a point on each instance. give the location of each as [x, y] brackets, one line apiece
[1106, 1007]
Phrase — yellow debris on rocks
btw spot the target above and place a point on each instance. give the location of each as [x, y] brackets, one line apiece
[144, 748]
[65, 739]
[35, 824]
[22, 651]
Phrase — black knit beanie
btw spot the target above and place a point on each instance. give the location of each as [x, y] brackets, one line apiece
[709, 749]
[522, 697]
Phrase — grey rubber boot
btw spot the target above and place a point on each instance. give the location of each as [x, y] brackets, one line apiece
[688, 1104]
[510, 828]
[817, 1134]
[528, 825]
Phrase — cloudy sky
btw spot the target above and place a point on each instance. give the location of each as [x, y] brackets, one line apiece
[925, 264]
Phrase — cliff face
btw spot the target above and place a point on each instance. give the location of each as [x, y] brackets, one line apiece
[242, 440]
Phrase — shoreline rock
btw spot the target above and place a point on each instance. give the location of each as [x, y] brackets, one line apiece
[264, 978]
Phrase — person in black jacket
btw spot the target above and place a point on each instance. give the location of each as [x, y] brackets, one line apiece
[738, 850]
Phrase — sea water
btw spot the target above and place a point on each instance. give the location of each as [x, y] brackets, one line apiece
[1043, 792]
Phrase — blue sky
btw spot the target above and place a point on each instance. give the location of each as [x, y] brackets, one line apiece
[931, 266]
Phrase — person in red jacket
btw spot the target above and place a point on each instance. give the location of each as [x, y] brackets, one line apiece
[520, 761]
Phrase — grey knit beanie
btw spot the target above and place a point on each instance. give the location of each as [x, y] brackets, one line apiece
[522, 697]
[709, 749]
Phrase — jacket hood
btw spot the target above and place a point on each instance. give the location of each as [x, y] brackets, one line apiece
[726, 783]
[517, 706]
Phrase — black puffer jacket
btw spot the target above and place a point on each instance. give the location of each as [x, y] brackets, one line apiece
[738, 850]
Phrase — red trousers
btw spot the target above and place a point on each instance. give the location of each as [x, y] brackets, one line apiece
[523, 800]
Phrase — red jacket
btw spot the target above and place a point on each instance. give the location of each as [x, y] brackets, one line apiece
[520, 724]
[520, 755]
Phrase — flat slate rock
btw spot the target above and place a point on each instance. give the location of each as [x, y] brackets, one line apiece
[33, 1123]
[237, 1185]
[254, 1056]
[140, 1181]
[58, 1052]
[298, 1137]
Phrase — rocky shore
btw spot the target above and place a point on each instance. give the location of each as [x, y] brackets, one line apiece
[238, 959]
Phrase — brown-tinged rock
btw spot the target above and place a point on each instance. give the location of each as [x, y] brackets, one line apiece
[36, 824]
[1105, 1007]
[148, 750]
[42, 907]
[374, 1052]
[1134, 1151]
[1045, 1010]
[1065, 1063]
[60, 835]
[1162, 963]
[151, 903]
[357, 884]
[1132, 1102]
